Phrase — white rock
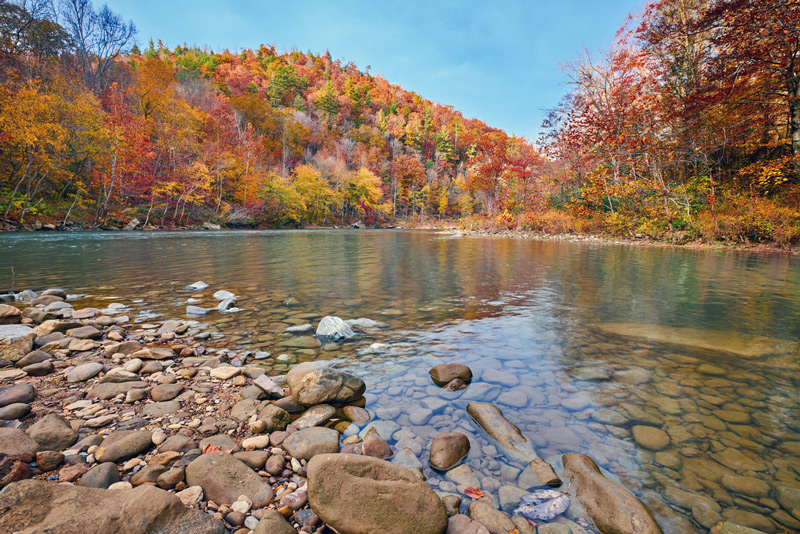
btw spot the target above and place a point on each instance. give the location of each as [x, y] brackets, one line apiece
[269, 387]
[121, 485]
[335, 328]
[196, 310]
[251, 522]
[241, 506]
[133, 365]
[256, 442]
[225, 372]
[158, 438]
[223, 295]
[197, 286]
[191, 495]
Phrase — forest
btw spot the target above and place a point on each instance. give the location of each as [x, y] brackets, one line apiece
[686, 128]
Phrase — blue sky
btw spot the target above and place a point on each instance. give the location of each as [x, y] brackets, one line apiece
[497, 61]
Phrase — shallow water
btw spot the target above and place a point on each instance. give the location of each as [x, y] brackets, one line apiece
[590, 341]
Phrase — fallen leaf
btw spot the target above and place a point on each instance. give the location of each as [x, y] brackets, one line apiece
[475, 493]
[211, 448]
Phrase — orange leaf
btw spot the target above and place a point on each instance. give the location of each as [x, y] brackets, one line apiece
[211, 448]
[475, 493]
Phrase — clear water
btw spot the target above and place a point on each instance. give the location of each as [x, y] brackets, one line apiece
[595, 339]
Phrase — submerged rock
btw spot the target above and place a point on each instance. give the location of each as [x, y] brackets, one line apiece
[515, 445]
[315, 383]
[613, 508]
[448, 449]
[389, 499]
[197, 286]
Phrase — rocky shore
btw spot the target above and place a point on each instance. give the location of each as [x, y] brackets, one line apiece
[106, 427]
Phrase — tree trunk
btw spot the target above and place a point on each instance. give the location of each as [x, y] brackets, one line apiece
[793, 85]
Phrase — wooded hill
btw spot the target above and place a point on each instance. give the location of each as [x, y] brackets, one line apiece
[687, 127]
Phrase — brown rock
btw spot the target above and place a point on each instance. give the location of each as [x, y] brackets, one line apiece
[448, 449]
[444, 373]
[48, 460]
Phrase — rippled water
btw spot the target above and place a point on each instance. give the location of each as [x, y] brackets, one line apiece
[590, 340]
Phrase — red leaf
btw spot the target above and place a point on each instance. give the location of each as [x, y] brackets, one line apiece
[475, 493]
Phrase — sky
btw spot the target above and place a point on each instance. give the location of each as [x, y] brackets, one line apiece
[498, 60]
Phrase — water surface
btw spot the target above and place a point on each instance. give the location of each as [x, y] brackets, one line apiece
[591, 341]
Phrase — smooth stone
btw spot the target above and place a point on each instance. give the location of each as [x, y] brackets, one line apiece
[314, 416]
[123, 444]
[224, 478]
[462, 524]
[275, 418]
[611, 507]
[448, 449]
[506, 434]
[314, 383]
[495, 521]
[650, 437]
[309, 442]
[161, 409]
[269, 386]
[165, 392]
[18, 393]
[272, 522]
[84, 372]
[255, 460]
[49, 460]
[389, 499]
[39, 369]
[225, 372]
[356, 415]
[538, 473]
[53, 433]
[334, 328]
[444, 373]
[377, 447]
[109, 390]
[14, 411]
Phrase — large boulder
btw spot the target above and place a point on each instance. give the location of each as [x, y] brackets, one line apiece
[53, 433]
[448, 449]
[315, 383]
[224, 478]
[123, 444]
[613, 508]
[388, 498]
[309, 442]
[34, 506]
[334, 328]
[16, 341]
[514, 444]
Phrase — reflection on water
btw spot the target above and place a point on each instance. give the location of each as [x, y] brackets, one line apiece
[590, 341]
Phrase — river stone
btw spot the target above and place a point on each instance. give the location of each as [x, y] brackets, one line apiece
[123, 444]
[331, 327]
[16, 341]
[314, 416]
[461, 524]
[53, 433]
[165, 392]
[15, 442]
[613, 508]
[84, 372]
[495, 521]
[14, 411]
[160, 409]
[314, 383]
[224, 478]
[377, 447]
[444, 373]
[9, 314]
[154, 354]
[109, 390]
[253, 459]
[739, 461]
[390, 499]
[100, 476]
[538, 473]
[650, 437]
[16, 394]
[34, 506]
[244, 409]
[358, 416]
[85, 332]
[448, 449]
[223, 441]
[36, 356]
[489, 417]
[269, 387]
[753, 487]
[225, 372]
[177, 443]
[309, 442]
[272, 522]
[39, 369]
[274, 418]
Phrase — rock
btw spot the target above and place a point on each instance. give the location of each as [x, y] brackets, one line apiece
[123, 444]
[39, 369]
[9, 314]
[132, 224]
[197, 286]
[495, 521]
[515, 445]
[299, 329]
[16, 341]
[448, 449]
[225, 372]
[255, 460]
[274, 418]
[753, 487]
[275, 464]
[71, 473]
[15, 442]
[10, 375]
[37, 506]
[177, 443]
[611, 507]
[154, 353]
[314, 416]
[18, 393]
[244, 409]
[161, 409]
[84, 372]
[334, 328]
[100, 476]
[358, 225]
[198, 311]
[315, 383]
[461, 524]
[444, 373]
[85, 332]
[739, 461]
[269, 387]
[165, 392]
[191, 495]
[389, 499]
[36, 356]
[148, 474]
[728, 527]
[223, 295]
[272, 522]
[538, 473]
[650, 437]
[109, 390]
[376, 447]
[309, 442]
[223, 441]
[224, 478]
[256, 442]
[358, 416]
[14, 411]
[53, 433]
[49, 460]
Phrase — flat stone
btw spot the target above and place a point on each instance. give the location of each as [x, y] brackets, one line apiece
[84, 372]
[53, 433]
[514, 444]
[14, 411]
[495, 521]
[18, 393]
[224, 478]
[123, 444]
[15, 442]
[448, 449]
[225, 372]
[650, 437]
[309, 442]
[314, 416]
[85, 332]
[269, 387]
[165, 392]
[100, 476]
[272, 522]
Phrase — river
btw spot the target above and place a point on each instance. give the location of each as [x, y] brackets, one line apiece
[577, 343]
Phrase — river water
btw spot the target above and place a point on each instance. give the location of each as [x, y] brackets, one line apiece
[578, 343]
